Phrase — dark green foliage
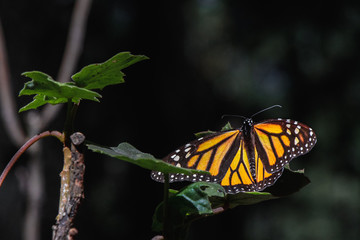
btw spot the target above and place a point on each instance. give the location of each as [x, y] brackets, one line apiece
[186, 206]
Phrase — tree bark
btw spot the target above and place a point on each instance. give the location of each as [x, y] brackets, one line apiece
[72, 188]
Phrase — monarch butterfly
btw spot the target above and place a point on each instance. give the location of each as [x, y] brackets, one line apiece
[250, 158]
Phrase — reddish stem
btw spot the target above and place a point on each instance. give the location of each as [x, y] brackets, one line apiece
[219, 210]
[24, 147]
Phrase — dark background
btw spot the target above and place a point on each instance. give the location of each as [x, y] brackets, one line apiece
[207, 58]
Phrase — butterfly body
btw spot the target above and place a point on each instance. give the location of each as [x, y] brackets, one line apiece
[250, 158]
[248, 138]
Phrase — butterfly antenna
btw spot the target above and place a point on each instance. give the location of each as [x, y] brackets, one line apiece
[266, 109]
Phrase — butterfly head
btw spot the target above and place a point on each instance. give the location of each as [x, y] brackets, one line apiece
[247, 124]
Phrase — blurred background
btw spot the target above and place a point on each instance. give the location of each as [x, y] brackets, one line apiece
[207, 58]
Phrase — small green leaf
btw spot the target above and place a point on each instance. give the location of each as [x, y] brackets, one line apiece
[46, 90]
[128, 153]
[198, 194]
[203, 133]
[40, 100]
[227, 127]
[187, 205]
[98, 76]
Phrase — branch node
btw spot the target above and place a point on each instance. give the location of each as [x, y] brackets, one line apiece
[77, 138]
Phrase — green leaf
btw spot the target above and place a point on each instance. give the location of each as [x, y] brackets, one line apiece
[198, 194]
[200, 199]
[128, 153]
[98, 76]
[40, 100]
[203, 133]
[227, 127]
[290, 182]
[46, 90]
[187, 205]
[248, 198]
[43, 84]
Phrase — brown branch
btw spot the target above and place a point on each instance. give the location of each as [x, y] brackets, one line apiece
[72, 52]
[7, 100]
[72, 188]
[28, 144]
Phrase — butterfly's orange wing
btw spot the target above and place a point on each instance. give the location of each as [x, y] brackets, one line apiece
[212, 153]
[278, 141]
[241, 178]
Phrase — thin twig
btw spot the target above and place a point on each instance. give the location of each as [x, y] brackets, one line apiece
[28, 144]
[7, 100]
[72, 52]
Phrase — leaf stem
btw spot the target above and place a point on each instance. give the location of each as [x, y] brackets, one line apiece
[166, 229]
[69, 122]
[30, 142]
